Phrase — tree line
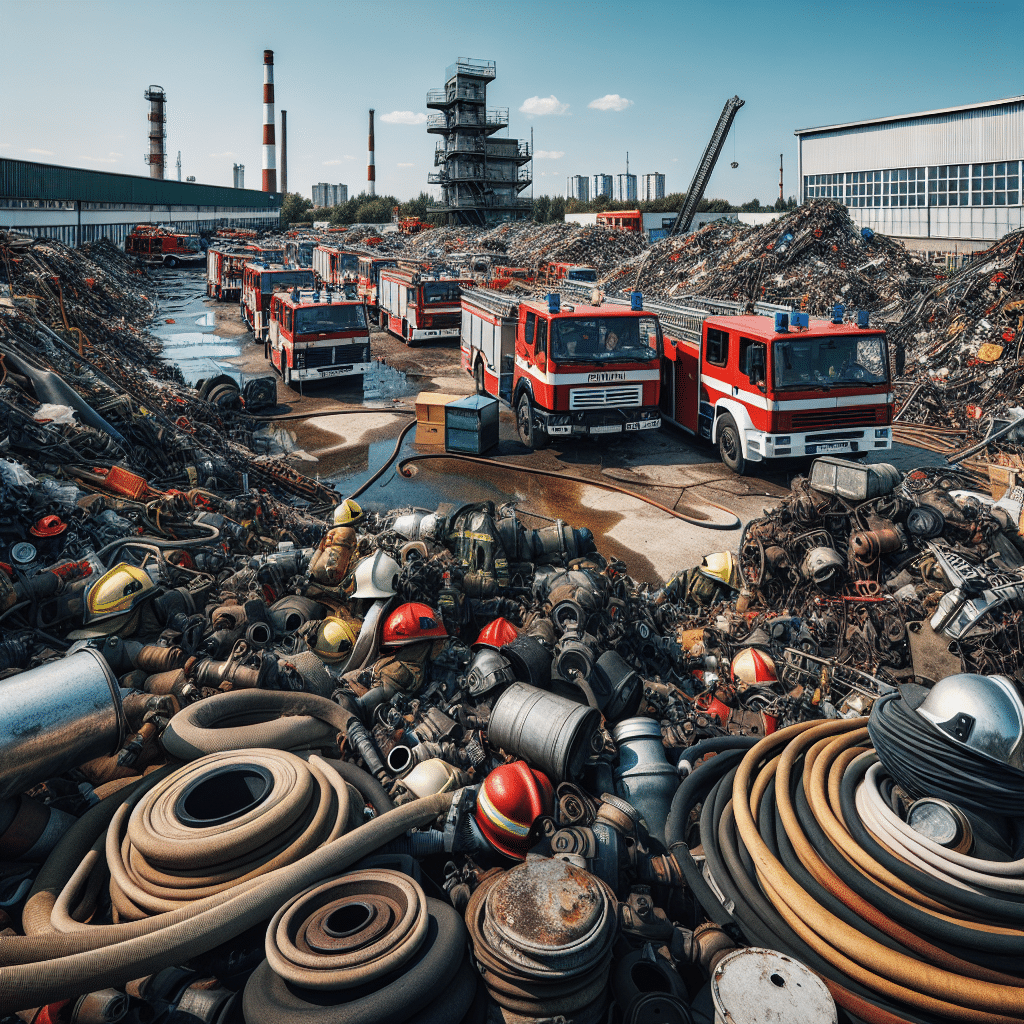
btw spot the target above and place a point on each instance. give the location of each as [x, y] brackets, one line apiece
[367, 209]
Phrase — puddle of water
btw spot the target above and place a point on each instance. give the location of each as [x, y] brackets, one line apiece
[384, 382]
[206, 320]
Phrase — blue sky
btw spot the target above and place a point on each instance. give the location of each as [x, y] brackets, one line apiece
[592, 79]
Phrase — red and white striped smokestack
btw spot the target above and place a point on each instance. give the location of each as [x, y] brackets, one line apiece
[269, 149]
[371, 171]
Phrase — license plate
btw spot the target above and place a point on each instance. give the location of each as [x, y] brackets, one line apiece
[336, 373]
[644, 425]
[614, 428]
[820, 449]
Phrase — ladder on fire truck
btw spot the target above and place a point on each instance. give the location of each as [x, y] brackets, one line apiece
[701, 177]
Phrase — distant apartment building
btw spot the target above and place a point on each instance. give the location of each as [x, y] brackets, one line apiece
[653, 187]
[602, 186]
[578, 187]
[625, 188]
[329, 195]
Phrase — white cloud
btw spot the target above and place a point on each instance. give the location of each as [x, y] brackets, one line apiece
[403, 117]
[113, 158]
[406, 165]
[331, 163]
[537, 106]
[41, 152]
[223, 156]
[613, 101]
[548, 154]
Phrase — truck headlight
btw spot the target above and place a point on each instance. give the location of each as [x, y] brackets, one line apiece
[300, 360]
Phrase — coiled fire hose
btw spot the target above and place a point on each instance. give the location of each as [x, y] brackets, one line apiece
[62, 957]
[797, 869]
[366, 947]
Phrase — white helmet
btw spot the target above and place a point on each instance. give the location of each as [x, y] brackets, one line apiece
[377, 576]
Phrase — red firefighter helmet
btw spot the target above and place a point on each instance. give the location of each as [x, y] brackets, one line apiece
[48, 526]
[411, 623]
[511, 799]
[496, 634]
[752, 667]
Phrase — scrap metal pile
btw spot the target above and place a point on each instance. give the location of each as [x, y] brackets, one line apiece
[457, 766]
[84, 392]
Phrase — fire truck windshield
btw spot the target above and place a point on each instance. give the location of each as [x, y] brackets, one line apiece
[843, 361]
[192, 243]
[274, 281]
[435, 292]
[604, 339]
[580, 274]
[321, 319]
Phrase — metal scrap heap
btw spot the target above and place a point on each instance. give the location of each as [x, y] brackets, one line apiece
[458, 766]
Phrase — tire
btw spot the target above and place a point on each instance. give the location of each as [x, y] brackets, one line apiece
[171, 262]
[532, 436]
[478, 376]
[215, 382]
[730, 447]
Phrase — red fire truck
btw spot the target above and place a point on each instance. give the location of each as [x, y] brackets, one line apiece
[416, 306]
[316, 335]
[775, 386]
[501, 277]
[259, 282]
[368, 282]
[260, 253]
[567, 370]
[162, 247]
[553, 273]
[334, 265]
[621, 220]
[224, 269]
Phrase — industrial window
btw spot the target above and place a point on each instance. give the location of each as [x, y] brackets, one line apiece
[823, 186]
[995, 184]
[716, 351]
[864, 188]
[904, 186]
[948, 185]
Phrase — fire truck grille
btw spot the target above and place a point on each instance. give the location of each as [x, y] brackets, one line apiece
[863, 415]
[333, 356]
[446, 321]
[604, 398]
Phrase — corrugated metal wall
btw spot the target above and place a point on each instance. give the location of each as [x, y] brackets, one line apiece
[20, 179]
[963, 137]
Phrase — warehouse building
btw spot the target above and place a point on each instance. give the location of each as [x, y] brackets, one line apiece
[940, 179]
[77, 206]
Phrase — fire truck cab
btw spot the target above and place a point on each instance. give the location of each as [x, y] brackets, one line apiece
[316, 335]
[566, 369]
[259, 283]
[418, 306]
[502, 277]
[777, 386]
[368, 282]
[259, 253]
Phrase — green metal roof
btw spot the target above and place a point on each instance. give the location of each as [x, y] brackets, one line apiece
[20, 179]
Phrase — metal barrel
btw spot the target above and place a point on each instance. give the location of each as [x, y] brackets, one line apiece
[755, 986]
[552, 733]
[57, 717]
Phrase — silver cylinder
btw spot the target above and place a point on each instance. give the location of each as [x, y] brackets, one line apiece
[644, 777]
[755, 986]
[552, 733]
[57, 717]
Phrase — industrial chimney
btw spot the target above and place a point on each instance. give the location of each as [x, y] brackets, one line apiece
[157, 130]
[269, 154]
[371, 171]
[284, 151]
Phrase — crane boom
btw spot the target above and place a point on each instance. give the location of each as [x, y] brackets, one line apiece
[702, 175]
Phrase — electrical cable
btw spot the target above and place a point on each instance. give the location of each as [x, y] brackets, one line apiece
[390, 459]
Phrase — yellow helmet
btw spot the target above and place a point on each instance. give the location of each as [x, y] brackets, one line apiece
[722, 566]
[112, 602]
[348, 513]
[331, 639]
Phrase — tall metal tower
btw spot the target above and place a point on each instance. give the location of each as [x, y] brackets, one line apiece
[480, 176]
[157, 157]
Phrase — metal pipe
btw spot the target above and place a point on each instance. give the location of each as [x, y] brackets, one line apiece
[644, 777]
[269, 149]
[57, 717]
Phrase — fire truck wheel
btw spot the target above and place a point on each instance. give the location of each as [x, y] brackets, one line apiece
[478, 376]
[532, 436]
[171, 261]
[730, 448]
